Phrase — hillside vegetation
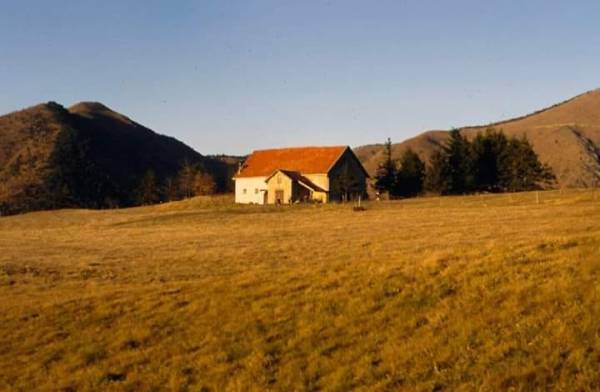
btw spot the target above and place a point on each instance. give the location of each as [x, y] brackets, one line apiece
[93, 157]
[87, 156]
[566, 136]
[494, 292]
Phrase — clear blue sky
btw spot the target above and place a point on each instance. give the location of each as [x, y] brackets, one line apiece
[232, 76]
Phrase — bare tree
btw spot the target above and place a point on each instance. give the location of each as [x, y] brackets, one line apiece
[193, 181]
[203, 184]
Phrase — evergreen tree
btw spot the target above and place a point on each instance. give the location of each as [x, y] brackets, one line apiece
[450, 170]
[437, 173]
[492, 162]
[521, 169]
[488, 152]
[460, 173]
[410, 176]
[385, 177]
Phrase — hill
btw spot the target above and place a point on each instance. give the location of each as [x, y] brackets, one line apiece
[485, 293]
[85, 156]
[566, 136]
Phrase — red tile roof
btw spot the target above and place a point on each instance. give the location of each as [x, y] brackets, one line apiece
[306, 160]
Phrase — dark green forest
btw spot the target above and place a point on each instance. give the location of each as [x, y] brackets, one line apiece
[491, 162]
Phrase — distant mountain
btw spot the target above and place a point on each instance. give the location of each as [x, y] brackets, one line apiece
[566, 136]
[86, 156]
[233, 160]
[91, 156]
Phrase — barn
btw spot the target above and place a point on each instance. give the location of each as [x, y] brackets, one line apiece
[300, 174]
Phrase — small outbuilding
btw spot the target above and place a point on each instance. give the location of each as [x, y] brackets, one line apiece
[300, 174]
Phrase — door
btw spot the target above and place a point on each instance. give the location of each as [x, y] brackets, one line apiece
[279, 196]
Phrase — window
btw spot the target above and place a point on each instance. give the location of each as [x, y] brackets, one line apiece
[244, 191]
[256, 191]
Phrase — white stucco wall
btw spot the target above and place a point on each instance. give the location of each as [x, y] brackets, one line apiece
[254, 187]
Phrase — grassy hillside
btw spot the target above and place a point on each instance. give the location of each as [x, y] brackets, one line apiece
[27, 148]
[566, 136]
[86, 156]
[481, 293]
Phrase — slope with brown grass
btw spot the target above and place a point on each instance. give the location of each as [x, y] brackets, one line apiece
[566, 136]
[488, 293]
[87, 156]
[27, 144]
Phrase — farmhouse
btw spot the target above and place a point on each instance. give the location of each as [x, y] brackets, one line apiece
[290, 175]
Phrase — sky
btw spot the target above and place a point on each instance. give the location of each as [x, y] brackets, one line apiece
[234, 76]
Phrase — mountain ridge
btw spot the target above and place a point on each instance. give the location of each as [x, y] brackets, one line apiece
[565, 135]
[86, 156]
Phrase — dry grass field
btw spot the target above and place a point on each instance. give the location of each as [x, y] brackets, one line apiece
[483, 293]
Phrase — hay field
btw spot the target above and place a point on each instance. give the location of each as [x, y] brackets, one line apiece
[482, 293]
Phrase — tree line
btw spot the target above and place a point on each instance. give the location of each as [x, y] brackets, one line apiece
[191, 180]
[491, 162]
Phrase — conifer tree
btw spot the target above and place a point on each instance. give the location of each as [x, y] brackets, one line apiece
[521, 169]
[488, 151]
[410, 176]
[450, 170]
[460, 174]
[437, 173]
[385, 177]
[492, 163]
